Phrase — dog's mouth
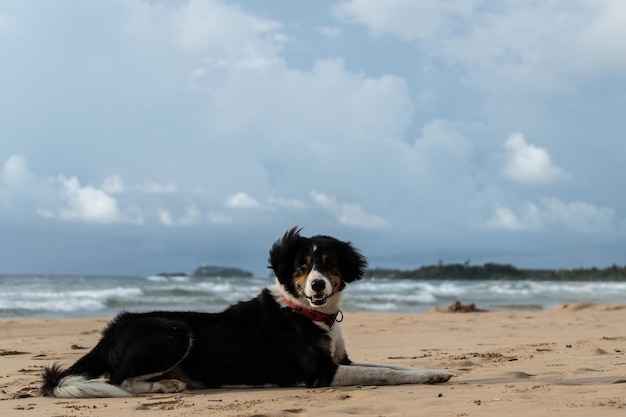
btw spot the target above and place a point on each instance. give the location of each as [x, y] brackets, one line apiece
[318, 298]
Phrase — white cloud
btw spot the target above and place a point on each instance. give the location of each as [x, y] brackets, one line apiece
[550, 212]
[347, 214]
[113, 185]
[165, 218]
[87, 204]
[151, 187]
[529, 164]
[579, 216]
[15, 172]
[202, 25]
[285, 203]
[242, 200]
[538, 44]
[603, 37]
[191, 217]
[218, 217]
[506, 219]
[331, 32]
[407, 19]
[272, 113]
[225, 35]
[440, 135]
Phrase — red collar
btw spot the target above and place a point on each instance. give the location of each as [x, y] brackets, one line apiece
[328, 319]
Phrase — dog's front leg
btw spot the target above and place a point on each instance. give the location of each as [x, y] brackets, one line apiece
[141, 386]
[372, 375]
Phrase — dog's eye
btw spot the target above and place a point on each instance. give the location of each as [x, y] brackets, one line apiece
[304, 266]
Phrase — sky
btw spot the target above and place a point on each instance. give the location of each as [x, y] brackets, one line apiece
[139, 137]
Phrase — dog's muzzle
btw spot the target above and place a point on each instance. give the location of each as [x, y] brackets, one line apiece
[317, 289]
[319, 295]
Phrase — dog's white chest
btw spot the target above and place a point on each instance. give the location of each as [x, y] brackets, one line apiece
[336, 346]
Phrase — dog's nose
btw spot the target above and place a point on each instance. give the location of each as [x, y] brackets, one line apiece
[318, 285]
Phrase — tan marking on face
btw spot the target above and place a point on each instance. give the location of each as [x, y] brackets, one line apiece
[299, 280]
[335, 278]
[330, 272]
[301, 273]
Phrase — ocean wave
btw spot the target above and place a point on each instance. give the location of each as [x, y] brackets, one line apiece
[66, 296]
[397, 299]
[69, 301]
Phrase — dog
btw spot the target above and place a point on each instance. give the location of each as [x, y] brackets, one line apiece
[289, 335]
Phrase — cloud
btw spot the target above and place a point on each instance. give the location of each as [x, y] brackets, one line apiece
[441, 136]
[529, 164]
[218, 217]
[331, 32]
[407, 19]
[506, 219]
[15, 172]
[165, 218]
[278, 203]
[348, 214]
[151, 187]
[500, 44]
[602, 38]
[579, 216]
[271, 113]
[550, 212]
[191, 217]
[89, 204]
[241, 200]
[225, 35]
[113, 185]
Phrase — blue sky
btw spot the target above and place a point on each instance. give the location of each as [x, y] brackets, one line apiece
[146, 136]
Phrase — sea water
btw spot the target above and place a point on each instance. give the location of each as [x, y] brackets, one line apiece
[56, 296]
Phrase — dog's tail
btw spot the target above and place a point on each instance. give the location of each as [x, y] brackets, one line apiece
[65, 384]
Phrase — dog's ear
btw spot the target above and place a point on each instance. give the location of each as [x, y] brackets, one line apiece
[352, 264]
[283, 253]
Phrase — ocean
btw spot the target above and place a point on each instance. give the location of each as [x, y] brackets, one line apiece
[57, 296]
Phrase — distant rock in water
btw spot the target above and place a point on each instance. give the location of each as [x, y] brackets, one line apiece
[221, 271]
[171, 274]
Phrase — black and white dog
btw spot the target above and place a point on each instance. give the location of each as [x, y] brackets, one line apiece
[289, 335]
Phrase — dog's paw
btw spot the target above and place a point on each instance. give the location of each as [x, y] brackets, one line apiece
[436, 376]
[168, 386]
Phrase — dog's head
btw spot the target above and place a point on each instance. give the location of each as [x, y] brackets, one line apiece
[315, 268]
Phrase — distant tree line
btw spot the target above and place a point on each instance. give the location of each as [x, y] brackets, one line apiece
[488, 271]
[494, 271]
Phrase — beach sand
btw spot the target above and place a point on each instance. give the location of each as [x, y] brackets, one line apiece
[565, 361]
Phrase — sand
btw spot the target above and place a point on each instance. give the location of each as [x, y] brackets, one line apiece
[564, 361]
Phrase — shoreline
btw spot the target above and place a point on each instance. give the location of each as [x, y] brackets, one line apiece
[569, 359]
